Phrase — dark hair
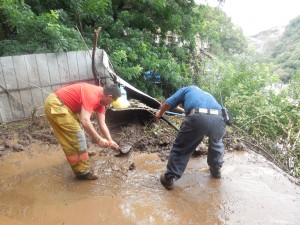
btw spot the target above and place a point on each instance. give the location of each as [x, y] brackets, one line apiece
[112, 90]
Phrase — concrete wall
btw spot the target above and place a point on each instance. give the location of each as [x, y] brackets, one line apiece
[26, 80]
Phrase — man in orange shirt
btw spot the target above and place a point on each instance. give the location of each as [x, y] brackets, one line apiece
[69, 110]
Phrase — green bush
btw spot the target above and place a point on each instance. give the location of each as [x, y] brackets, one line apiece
[271, 117]
[27, 32]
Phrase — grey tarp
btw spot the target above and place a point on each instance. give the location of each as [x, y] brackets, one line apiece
[132, 92]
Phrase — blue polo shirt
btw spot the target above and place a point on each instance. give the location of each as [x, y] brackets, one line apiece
[193, 97]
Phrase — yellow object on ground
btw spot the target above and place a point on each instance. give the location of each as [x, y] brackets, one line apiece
[70, 134]
[120, 103]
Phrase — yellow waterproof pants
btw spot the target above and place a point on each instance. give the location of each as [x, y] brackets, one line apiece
[68, 131]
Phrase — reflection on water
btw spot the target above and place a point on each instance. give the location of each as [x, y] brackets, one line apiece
[38, 187]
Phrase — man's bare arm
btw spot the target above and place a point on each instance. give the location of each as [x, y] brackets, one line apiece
[104, 129]
[164, 107]
[85, 119]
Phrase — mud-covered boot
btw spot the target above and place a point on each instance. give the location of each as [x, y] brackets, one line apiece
[167, 181]
[88, 176]
[215, 172]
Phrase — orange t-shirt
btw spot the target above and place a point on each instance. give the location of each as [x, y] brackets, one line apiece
[76, 96]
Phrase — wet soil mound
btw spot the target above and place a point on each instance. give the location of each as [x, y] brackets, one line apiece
[144, 134]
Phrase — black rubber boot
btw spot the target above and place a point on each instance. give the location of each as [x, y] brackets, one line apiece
[215, 172]
[167, 181]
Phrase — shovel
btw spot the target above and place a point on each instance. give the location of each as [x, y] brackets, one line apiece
[169, 122]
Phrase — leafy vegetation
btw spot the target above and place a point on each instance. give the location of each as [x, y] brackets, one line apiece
[23, 31]
[138, 35]
[185, 43]
[269, 115]
[286, 54]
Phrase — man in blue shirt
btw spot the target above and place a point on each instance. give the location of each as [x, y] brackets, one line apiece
[203, 117]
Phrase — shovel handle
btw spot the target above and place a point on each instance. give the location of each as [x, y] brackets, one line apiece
[169, 122]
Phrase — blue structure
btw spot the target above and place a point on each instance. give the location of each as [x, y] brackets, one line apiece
[152, 75]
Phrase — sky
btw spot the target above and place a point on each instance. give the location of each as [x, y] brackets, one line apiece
[254, 16]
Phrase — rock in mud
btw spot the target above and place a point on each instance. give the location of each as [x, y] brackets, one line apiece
[18, 148]
[131, 166]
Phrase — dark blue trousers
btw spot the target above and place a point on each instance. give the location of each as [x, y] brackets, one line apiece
[191, 133]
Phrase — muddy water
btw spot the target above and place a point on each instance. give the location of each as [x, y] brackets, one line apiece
[38, 187]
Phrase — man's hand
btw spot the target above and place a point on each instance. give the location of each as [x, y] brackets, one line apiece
[158, 115]
[102, 142]
[164, 107]
[114, 145]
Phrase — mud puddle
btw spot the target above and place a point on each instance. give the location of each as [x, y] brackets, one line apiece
[38, 187]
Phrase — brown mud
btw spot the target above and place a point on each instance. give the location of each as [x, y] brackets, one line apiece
[37, 185]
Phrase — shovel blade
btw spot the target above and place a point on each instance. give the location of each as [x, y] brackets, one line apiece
[124, 149]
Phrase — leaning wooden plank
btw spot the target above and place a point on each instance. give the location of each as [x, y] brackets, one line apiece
[82, 65]
[5, 111]
[16, 105]
[38, 101]
[43, 71]
[9, 73]
[32, 70]
[14, 98]
[21, 72]
[44, 74]
[63, 68]
[2, 80]
[73, 67]
[53, 68]
[27, 101]
[89, 65]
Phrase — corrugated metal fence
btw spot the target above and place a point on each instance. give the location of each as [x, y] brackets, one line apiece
[26, 80]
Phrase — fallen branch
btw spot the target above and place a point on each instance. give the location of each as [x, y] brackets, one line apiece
[84, 41]
[98, 81]
[266, 152]
[261, 148]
